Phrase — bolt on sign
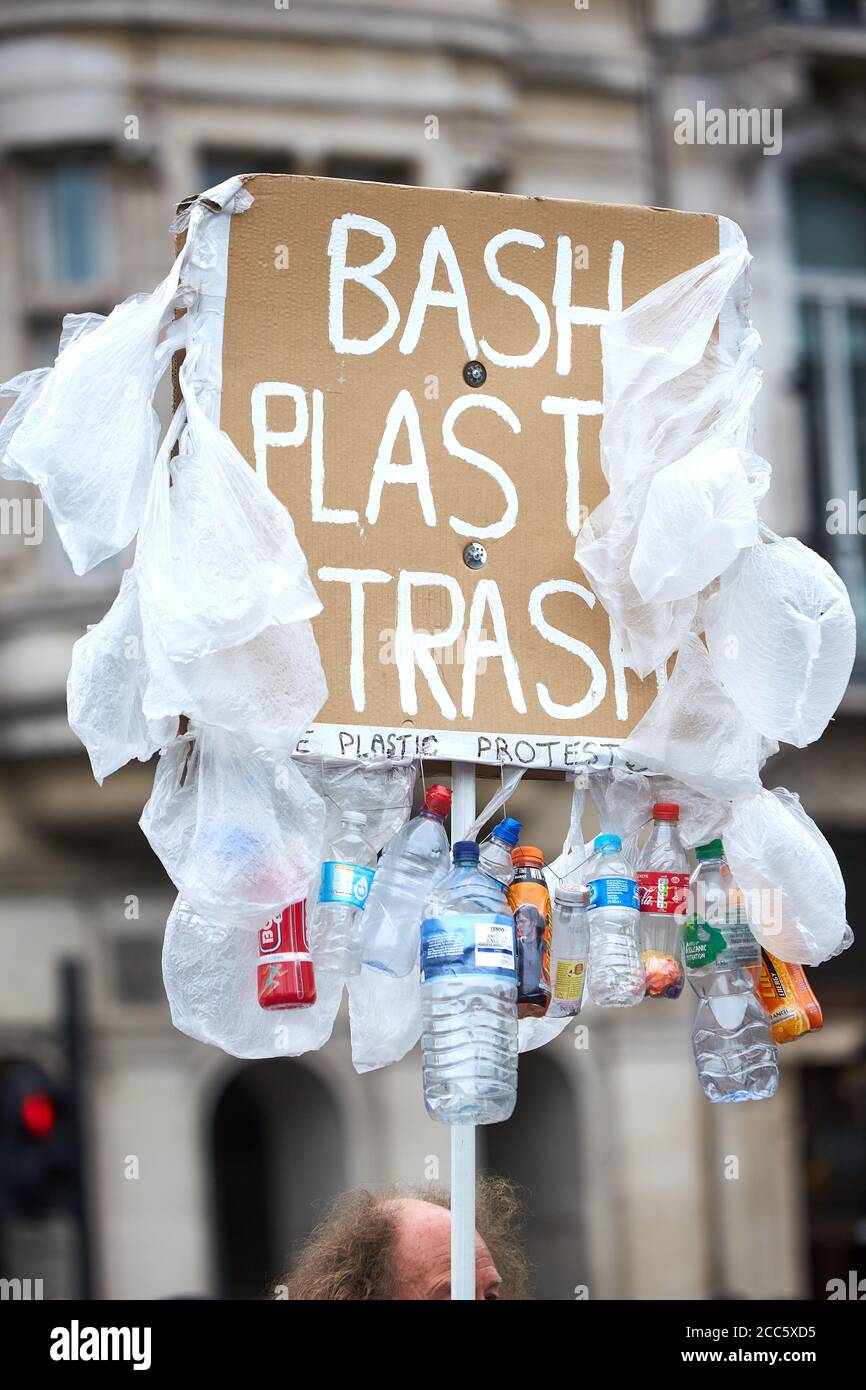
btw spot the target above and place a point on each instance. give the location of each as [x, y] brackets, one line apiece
[417, 375]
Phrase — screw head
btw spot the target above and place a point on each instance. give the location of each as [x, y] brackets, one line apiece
[474, 555]
[475, 373]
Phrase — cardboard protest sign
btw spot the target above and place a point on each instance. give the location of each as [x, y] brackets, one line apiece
[355, 319]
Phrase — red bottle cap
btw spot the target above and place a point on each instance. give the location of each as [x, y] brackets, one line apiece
[666, 810]
[438, 800]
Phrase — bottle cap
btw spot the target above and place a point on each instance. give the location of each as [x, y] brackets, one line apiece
[466, 852]
[575, 894]
[607, 842]
[527, 854]
[666, 810]
[438, 800]
[507, 830]
[354, 817]
[714, 849]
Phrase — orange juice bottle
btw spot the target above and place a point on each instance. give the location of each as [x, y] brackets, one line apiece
[788, 999]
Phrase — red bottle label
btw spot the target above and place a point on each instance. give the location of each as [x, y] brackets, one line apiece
[662, 891]
[286, 978]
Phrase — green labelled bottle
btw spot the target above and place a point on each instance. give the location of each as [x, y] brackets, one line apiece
[734, 1051]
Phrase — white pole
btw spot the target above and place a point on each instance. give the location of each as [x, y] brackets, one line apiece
[462, 1136]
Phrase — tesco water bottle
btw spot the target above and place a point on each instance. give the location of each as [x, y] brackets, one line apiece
[734, 1050]
[413, 863]
[495, 854]
[336, 929]
[616, 973]
[468, 997]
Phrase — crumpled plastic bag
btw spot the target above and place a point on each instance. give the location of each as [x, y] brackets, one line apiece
[385, 1017]
[382, 790]
[218, 560]
[86, 431]
[623, 800]
[795, 895]
[269, 689]
[694, 732]
[237, 829]
[700, 512]
[782, 640]
[701, 817]
[670, 384]
[107, 679]
[209, 971]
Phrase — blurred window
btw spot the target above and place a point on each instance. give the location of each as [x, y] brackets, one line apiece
[828, 207]
[218, 164]
[371, 168]
[66, 235]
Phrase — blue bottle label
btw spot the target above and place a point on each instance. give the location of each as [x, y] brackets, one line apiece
[348, 884]
[467, 943]
[614, 892]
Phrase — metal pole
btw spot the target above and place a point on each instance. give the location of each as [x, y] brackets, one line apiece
[462, 1136]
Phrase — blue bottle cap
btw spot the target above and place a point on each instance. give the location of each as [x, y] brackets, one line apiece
[466, 851]
[507, 830]
[607, 841]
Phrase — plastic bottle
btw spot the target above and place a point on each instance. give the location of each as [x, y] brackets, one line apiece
[286, 978]
[734, 1050]
[529, 900]
[413, 863]
[569, 951]
[663, 888]
[468, 997]
[616, 974]
[789, 1000]
[495, 854]
[336, 930]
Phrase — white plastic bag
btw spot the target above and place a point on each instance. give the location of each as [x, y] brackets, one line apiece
[106, 683]
[89, 432]
[694, 732]
[218, 560]
[700, 511]
[238, 830]
[795, 896]
[623, 800]
[385, 1017]
[382, 790]
[781, 637]
[209, 971]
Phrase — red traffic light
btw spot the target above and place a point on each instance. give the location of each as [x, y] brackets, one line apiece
[37, 1114]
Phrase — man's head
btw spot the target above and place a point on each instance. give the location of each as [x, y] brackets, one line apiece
[396, 1244]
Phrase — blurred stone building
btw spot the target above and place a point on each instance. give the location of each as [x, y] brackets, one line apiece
[202, 1171]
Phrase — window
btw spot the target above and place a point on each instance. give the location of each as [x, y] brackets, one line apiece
[218, 164]
[66, 235]
[829, 237]
[371, 168]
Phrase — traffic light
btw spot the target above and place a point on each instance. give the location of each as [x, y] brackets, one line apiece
[37, 1150]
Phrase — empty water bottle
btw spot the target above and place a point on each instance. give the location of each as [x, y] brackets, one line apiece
[468, 997]
[336, 930]
[734, 1051]
[569, 950]
[413, 863]
[616, 973]
[495, 854]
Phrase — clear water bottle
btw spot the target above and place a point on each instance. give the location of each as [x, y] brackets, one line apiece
[616, 973]
[336, 930]
[569, 950]
[468, 997]
[413, 863]
[663, 888]
[495, 854]
[734, 1050]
